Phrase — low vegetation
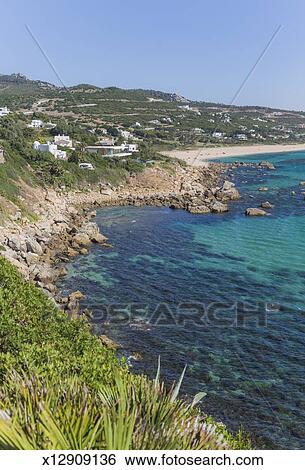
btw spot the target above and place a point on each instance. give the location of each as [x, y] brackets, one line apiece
[60, 388]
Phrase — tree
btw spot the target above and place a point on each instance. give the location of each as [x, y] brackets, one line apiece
[74, 157]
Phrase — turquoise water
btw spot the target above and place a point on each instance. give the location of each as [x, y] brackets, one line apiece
[188, 281]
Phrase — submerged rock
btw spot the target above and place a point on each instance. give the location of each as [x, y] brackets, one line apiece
[267, 205]
[268, 165]
[253, 211]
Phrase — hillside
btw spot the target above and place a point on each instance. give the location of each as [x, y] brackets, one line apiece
[18, 84]
[166, 120]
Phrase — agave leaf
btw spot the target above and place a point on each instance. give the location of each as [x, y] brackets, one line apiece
[197, 398]
[176, 390]
[157, 378]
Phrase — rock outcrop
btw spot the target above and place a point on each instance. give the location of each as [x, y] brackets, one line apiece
[268, 165]
[267, 205]
[254, 211]
[219, 207]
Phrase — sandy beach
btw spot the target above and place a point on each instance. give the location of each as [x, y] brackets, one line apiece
[198, 157]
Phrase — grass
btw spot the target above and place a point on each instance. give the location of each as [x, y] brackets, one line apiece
[60, 388]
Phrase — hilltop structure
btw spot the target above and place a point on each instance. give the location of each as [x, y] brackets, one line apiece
[4, 111]
[63, 141]
[52, 148]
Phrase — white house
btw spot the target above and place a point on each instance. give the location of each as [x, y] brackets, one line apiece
[167, 120]
[218, 135]
[125, 134]
[108, 150]
[52, 148]
[4, 111]
[36, 123]
[129, 147]
[63, 141]
[241, 137]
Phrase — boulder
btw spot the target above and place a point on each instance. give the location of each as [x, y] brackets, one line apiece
[61, 272]
[219, 207]
[253, 211]
[90, 229]
[108, 342]
[45, 275]
[77, 295]
[267, 205]
[186, 186]
[302, 183]
[17, 243]
[228, 194]
[34, 247]
[81, 239]
[268, 165]
[99, 238]
[73, 307]
[199, 209]
[59, 219]
[227, 185]
[31, 258]
[71, 252]
[106, 192]
[9, 253]
[48, 287]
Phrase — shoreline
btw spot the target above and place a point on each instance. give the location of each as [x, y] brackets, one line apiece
[200, 156]
[64, 229]
[40, 249]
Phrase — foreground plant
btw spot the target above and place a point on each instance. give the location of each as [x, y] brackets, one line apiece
[132, 413]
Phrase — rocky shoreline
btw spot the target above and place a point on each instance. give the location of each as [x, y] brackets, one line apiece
[65, 228]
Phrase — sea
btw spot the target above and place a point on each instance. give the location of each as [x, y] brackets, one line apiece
[223, 294]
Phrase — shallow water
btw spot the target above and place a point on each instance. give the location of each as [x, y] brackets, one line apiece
[250, 364]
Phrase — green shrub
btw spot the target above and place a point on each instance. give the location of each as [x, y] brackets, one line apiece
[60, 388]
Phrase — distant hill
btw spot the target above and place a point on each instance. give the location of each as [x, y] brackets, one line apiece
[137, 94]
[19, 85]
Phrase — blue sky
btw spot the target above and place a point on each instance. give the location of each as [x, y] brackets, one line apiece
[202, 49]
